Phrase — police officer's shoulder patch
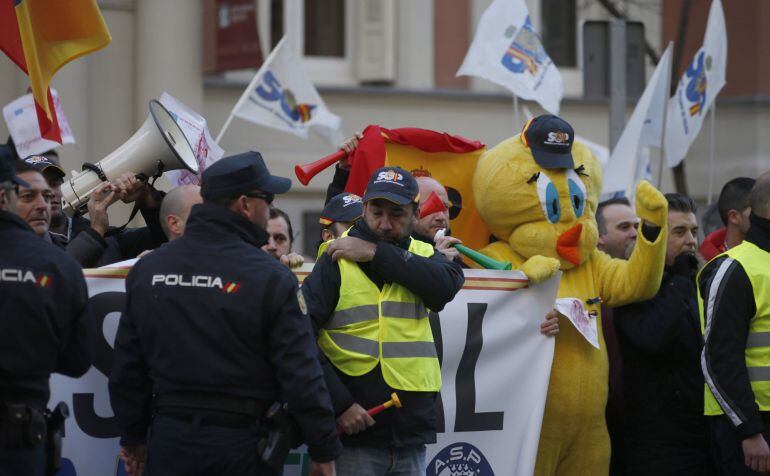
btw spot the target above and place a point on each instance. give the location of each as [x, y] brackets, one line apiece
[302, 303]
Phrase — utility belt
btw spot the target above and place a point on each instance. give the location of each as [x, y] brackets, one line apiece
[279, 432]
[23, 426]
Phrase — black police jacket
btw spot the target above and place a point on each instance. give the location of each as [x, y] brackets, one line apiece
[45, 319]
[436, 281]
[212, 313]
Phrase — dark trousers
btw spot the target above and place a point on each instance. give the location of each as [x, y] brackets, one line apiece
[729, 447]
[193, 447]
[18, 460]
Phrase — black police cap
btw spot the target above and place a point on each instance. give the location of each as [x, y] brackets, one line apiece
[240, 174]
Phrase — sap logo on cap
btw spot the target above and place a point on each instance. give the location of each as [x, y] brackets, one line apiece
[558, 138]
[389, 176]
[459, 459]
[21, 276]
[350, 199]
[196, 281]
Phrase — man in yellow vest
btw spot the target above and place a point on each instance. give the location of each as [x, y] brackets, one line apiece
[734, 300]
[369, 296]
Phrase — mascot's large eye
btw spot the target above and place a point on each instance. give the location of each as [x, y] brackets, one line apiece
[549, 198]
[577, 192]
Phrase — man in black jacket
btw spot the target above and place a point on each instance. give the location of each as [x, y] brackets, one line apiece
[213, 332]
[45, 327]
[665, 432]
[734, 289]
[379, 268]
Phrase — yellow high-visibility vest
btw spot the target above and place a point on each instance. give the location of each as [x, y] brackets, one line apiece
[388, 326]
[756, 264]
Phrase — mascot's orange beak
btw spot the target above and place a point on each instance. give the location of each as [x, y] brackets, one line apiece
[567, 244]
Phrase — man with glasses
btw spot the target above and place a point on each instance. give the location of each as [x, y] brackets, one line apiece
[214, 331]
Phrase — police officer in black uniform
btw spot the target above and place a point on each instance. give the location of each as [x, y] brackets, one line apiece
[45, 327]
[215, 330]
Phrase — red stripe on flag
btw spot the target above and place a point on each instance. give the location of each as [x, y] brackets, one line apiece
[431, 141]
[49, 128]
[368, 157]
[10, 38]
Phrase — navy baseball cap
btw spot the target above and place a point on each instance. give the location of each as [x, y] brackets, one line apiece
[41, 164]
[550, 139]
[7, 172]
[240, 174]
[345, 207]
[393, 184]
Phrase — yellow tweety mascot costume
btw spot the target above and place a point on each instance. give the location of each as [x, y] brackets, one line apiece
[538, 193]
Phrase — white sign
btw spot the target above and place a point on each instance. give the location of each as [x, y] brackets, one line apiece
[495, 370]
[507, 50]
[21, 118]
[196, 131]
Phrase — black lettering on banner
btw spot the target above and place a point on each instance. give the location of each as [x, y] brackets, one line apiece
[435, 327]
[83, 403]
[465, 389]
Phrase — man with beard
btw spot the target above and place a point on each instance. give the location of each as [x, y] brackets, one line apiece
[281, 239]
[368, 297]
[665, 431]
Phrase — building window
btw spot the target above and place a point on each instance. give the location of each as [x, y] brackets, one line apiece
[325, 28]
[311, 232]
[559, 25]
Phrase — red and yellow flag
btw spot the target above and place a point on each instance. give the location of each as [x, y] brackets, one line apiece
[41, 36]
[450, 159]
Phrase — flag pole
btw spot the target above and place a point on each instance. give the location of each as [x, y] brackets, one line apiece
[249, 88]
[663, 158]
[516, 113]
[712, 151]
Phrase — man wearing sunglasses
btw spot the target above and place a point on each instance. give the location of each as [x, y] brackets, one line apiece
[214, 332]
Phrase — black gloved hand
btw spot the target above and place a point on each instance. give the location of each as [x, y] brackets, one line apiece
[686, 264]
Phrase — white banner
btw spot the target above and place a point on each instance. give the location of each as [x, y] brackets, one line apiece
[495, 369]
[21, 118]
[508, 51]
[196, 130]
[282, 97]
[698, 88]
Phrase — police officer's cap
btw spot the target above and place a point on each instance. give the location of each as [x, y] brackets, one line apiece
[240, 174]
[7, 155]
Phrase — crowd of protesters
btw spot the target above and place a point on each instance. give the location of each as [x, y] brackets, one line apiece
[706, 328]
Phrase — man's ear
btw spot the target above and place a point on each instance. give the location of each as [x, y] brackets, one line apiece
[734, 217]
[241, 206]
[326, 235]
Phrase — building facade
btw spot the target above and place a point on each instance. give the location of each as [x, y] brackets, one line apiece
[388, 62]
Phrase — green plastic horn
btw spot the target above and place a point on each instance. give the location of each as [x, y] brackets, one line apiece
[483, 260]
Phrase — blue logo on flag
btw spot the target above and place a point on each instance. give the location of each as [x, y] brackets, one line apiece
[696, 84]
[459, 459]
[271, 90]
[526, 52]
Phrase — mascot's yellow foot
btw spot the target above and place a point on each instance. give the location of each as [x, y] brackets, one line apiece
[539, 268]
[651, 205]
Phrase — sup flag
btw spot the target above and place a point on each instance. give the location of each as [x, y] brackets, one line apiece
[282, 97]
[698, 88]
[41, 36]
[447, 158]
[507, 50]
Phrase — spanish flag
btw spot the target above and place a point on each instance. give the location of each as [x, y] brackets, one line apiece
[41, 36]
[449, 159]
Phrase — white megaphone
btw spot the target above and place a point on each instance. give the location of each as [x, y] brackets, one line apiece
[158, 146]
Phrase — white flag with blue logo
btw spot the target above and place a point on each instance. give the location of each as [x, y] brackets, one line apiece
[630, 159]
[698, 88]
[282, 97]
[508, 51]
